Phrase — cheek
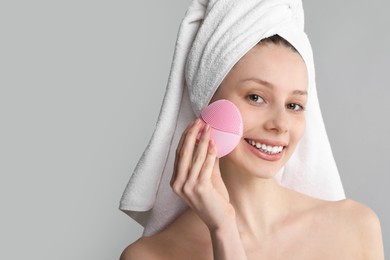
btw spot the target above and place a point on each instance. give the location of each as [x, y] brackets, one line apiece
[299, 129]
[250, 119]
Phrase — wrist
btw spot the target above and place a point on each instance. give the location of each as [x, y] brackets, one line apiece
[225, 224]
[226, 241]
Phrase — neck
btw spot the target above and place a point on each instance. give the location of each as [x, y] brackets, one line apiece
[260, 203]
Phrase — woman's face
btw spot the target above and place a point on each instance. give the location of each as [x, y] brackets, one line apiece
[269, 86]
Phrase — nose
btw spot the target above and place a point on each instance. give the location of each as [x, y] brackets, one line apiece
[277, 121]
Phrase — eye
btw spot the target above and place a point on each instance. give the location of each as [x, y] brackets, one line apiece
[256, 98]
[295, 107]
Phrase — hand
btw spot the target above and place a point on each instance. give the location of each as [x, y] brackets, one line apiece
[197, 177]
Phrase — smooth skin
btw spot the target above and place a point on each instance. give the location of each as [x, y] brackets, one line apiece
[236, 208]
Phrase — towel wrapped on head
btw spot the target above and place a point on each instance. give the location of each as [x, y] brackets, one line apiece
[213, 36]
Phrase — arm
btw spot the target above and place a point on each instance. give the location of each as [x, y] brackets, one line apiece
[197, 180]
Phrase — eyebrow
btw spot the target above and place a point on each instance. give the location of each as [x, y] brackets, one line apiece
[270, 85]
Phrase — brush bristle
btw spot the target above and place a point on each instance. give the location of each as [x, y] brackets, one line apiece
[224, 116]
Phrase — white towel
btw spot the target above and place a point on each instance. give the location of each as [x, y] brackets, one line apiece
[213, 36]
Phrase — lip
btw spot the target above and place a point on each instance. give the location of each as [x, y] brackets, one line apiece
[264, 155]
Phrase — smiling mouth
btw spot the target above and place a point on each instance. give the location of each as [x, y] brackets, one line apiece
[269, 149]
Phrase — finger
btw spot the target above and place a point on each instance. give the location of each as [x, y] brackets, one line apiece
[200, 155]
[178, 148]
[209, 165]
[184, 134]
[184, 156]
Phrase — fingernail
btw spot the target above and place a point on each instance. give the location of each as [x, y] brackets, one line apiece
[207, 127]
[195, 122]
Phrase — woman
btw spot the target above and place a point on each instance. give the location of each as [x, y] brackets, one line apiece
[237, 207]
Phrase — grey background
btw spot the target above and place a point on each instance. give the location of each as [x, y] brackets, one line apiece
[81, 87]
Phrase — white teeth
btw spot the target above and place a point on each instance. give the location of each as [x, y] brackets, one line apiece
[266, 148]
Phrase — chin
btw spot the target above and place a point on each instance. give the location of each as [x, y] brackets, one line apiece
[250, 165]
[263, 171]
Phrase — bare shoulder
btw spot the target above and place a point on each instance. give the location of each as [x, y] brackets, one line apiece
[357, 225]
[184, 238]
[344, 229]
[357, 215]
[143, 248]
[346, 212]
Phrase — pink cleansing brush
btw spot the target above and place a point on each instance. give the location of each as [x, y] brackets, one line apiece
[226, 125]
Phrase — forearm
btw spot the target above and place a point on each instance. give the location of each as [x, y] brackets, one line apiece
[227, 243]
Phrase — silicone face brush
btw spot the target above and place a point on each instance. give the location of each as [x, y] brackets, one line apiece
[226, 125]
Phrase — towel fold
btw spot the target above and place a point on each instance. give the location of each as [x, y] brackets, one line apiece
[212, 37]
